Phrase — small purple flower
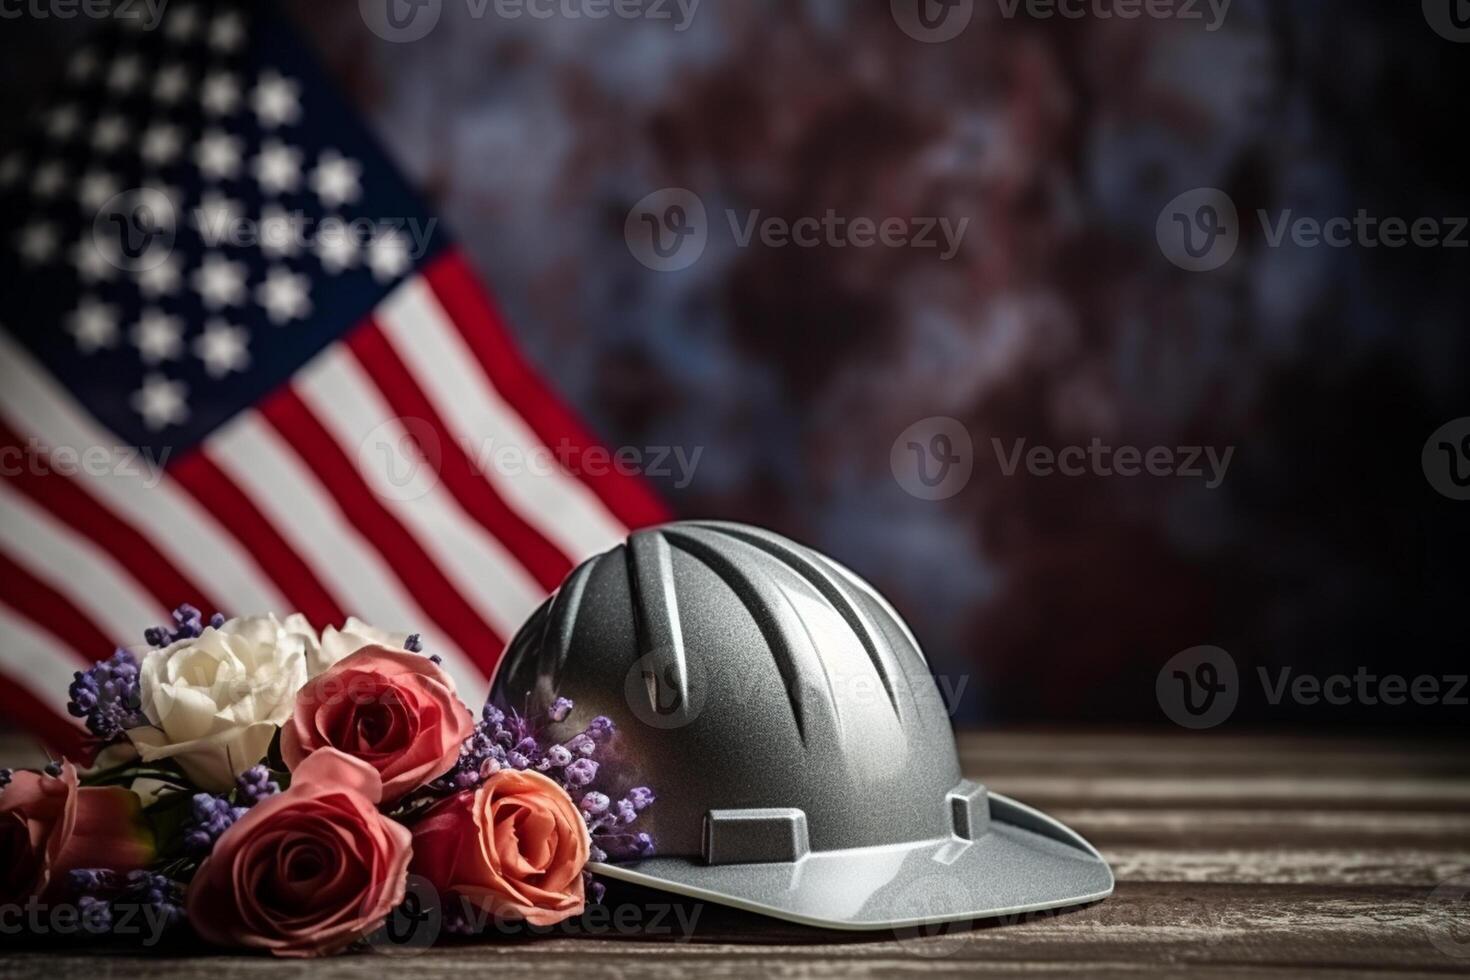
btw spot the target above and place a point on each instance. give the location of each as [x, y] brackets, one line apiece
[106, 695]
[95, 913]
[255, 784]
[6, 775]
[517, 761]
[595, 803]
[157, 892]
[626, 813]
[595, 888]
[53, 769]
[581, 772]
[415, 644]
[211, 816]
[582, 744]
[641, 797]
[559, 710]
[558, 756]
[600, 729]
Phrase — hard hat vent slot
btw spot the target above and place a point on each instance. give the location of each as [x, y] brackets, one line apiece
[755, 836]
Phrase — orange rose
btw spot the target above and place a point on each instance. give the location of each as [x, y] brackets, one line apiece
[514, 848]
[50, 825]
[397, 711]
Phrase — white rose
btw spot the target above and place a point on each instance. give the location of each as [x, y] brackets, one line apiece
[352, 637]
[214, 701]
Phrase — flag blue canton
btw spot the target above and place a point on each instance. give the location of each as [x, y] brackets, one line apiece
[197, 214]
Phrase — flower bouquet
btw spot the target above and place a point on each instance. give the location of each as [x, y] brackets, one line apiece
[272, 788]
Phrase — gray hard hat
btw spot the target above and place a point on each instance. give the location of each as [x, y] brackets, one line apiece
[804, 760]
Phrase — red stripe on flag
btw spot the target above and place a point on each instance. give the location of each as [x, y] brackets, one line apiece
[460, 474]
[71, 504]
[55, 613]
[61, 735]
[413, 567]
[208, 484]
[629, 497]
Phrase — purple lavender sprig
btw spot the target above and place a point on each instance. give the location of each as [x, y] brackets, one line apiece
[188, 623]
[107, 696]
[210, 816]
[103, 893]
[6, 775]
[509, 740]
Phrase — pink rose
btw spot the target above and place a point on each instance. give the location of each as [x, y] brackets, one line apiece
[308, 871]
[514, 848]
[394, 710]
[50, 825]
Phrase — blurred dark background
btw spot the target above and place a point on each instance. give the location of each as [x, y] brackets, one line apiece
[1060, 319]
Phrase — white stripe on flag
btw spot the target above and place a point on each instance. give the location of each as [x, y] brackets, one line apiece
[72, 565]
[558, 505]
[489, 577]
[38, 661]
[255, 457]
[176, 524]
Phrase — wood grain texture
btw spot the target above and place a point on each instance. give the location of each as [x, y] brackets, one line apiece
[1237, 856]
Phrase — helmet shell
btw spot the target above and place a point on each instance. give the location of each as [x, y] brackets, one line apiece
[744, 672]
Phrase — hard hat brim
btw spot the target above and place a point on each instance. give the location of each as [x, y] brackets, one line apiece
[1024, 862]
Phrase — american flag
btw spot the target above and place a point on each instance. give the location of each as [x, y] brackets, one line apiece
[242, 366]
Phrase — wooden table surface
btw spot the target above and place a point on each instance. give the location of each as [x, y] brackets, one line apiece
[1236, 856]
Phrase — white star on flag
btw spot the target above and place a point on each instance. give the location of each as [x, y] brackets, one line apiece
[111, 133]
[124, 74]
[277, 168]
[63, 122]
[95, 189]
[217, 155]
[158, 336]
[276, 100]
[335, 245]
[161, 144]
[336, 179]
[279, 237]
[388, 255]
[284, 294]
[92, 263]
[220, 282]
[93, 325]
[220, 94]
[48, 179]
[37, 242]
[222, 348]
[161, 402]
[162, 279]
[171, 84]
